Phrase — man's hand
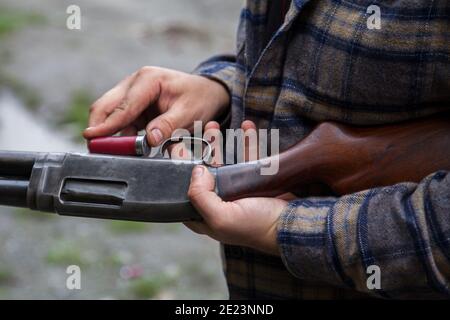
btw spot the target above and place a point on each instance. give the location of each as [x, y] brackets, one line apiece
[157, 100]
[248, 222]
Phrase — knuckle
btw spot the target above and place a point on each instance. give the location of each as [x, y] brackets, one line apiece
[148, 129]
[327, 126]
[123, 105]
[121, 109]
[219, 224]
[145, 70]
[168, 124]
[94, 107]
[130, 76]
[324, 125]
[194, 191]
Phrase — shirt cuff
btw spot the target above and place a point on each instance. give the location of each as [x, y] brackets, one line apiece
[303, 240]
[222, 70]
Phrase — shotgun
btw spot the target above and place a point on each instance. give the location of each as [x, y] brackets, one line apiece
[344, 158]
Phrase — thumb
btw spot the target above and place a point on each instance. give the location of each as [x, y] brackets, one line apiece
[202, 195]
[162, 127]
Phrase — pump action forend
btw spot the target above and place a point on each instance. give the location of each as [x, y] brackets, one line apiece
[346, 159]
[98, 186]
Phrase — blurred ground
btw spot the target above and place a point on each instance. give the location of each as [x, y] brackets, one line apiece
[48, 77]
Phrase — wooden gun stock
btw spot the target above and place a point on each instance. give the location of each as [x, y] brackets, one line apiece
[347, 159]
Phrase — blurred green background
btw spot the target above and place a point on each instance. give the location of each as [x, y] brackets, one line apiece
[49, 75]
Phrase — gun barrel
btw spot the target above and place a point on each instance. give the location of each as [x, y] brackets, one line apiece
[13, 192]
[97, 186]
[16, 163]
[15, 172]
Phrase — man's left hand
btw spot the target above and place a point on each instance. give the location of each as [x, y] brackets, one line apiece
[250, 222]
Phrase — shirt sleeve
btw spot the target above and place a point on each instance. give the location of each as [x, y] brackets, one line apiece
[400, 234]
[220, 68]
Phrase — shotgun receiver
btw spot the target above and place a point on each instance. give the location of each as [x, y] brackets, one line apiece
[346, 159]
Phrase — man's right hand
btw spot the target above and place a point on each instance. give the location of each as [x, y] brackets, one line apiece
[159, 101]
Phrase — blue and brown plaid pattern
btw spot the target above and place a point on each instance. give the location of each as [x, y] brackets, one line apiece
[322, 64]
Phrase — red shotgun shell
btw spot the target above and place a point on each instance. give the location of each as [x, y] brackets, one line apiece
[122, 146]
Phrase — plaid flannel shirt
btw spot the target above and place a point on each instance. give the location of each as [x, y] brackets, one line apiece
[324, 63]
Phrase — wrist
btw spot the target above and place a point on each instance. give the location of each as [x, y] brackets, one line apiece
[266, 241]
[220, 94]
[269, 244]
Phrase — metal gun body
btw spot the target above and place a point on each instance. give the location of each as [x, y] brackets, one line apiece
[98, 186]
[342, 158]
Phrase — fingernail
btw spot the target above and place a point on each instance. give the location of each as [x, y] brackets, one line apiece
[198, 171]
[89, 128]
[157, 136]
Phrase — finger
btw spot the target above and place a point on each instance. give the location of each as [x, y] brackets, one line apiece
[198, 227]
[144, 90]
[247, 125]
[134, 128]
[101, 108]
[214, 137]
[250, 140]
[180, 151]
[131, 130]
[162, 127]
[287, 196]
[202, 196]
[212, 125]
